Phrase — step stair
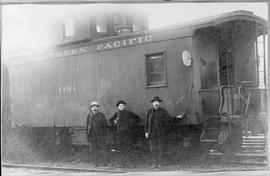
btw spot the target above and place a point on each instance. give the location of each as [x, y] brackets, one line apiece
[253, 151]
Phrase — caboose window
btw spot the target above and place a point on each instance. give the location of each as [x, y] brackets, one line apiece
[68, 28]
[101, 24]
[122, 23]
[136, 25]
[262, 58]
[155, 69]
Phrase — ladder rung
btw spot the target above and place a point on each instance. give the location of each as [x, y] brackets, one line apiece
[209, 140]
[252, 154]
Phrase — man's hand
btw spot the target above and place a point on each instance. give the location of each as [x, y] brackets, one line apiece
[146, 135]
[116, 120]
[180, 116]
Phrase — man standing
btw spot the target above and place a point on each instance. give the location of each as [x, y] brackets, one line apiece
[96, 130]
[126, 123]
[156, 124]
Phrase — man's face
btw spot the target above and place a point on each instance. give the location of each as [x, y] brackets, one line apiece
[121, 107]
[156, 104]
[187, 62]
[94, 109]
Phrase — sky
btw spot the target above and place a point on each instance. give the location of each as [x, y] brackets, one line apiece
[24, 27]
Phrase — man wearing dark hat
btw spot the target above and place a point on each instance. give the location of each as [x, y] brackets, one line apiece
[96, 130]
[155, 128]
[126, 123]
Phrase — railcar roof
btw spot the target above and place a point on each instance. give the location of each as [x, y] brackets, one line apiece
[218, 19]
[191, 25]
[211, 21]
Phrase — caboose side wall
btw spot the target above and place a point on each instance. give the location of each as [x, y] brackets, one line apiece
[99, 45]
[212, 48]
[205, 52]
[58, 92]
[244, 50]
[55, 88]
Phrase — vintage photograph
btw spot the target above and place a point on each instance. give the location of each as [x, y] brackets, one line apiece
[128, 88]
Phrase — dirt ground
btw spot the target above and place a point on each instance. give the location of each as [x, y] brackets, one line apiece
[82, 159]
[18, 151]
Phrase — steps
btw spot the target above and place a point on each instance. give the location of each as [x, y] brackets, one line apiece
[253, 144]
[252, 151]
[211, 130]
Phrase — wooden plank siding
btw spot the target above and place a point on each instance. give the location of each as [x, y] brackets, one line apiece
[55, 88]
[206, 81]
[105, 77]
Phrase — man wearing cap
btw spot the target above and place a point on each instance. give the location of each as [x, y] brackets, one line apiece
[156, 124]
[96, 130]
[126, 123]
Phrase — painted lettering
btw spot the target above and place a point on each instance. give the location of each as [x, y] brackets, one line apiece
[140, 40]
[117, 44]
[108, 45]
[131, 40]
[100, 46]
[73, 51]
[58, 54]
[67, 52]
[82, 50]
[68, 88]
[148, 38]
[125, 42]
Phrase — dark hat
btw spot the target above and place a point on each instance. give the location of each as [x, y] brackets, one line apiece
[156, 98]
[120, 102]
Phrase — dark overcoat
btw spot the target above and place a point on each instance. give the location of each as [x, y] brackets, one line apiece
[96, 125]
[127, 120]
[163, 120]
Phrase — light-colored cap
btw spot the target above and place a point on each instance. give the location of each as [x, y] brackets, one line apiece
[94, 103]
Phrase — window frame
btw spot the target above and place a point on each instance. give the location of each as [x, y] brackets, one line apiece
[121, 22]
[149, 83]
[67, 37]
[261, 58]
[101, 34]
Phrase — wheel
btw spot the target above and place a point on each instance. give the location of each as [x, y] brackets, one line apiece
[233, 142]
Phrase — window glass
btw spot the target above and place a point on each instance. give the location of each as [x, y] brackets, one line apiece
[155, 70]
[137, 25]
[101, 24]
[122, 23]
[116, 18]
[262, 59]
[68, 27]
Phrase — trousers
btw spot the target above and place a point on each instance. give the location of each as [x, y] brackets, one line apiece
[156, 145]
[98, 149]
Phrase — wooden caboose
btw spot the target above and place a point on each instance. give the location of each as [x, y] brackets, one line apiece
[186, 65]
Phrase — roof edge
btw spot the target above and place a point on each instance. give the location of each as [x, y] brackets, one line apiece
[211, 21]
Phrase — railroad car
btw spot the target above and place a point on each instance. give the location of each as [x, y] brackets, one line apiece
[208, 70]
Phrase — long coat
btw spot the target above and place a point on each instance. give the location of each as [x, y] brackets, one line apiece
[96, 125]
[163, 120]
[127, 120]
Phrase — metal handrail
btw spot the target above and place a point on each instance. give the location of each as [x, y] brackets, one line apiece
[246, 100]
[222, 97]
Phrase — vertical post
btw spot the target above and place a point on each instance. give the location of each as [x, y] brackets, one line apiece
[268, 88]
